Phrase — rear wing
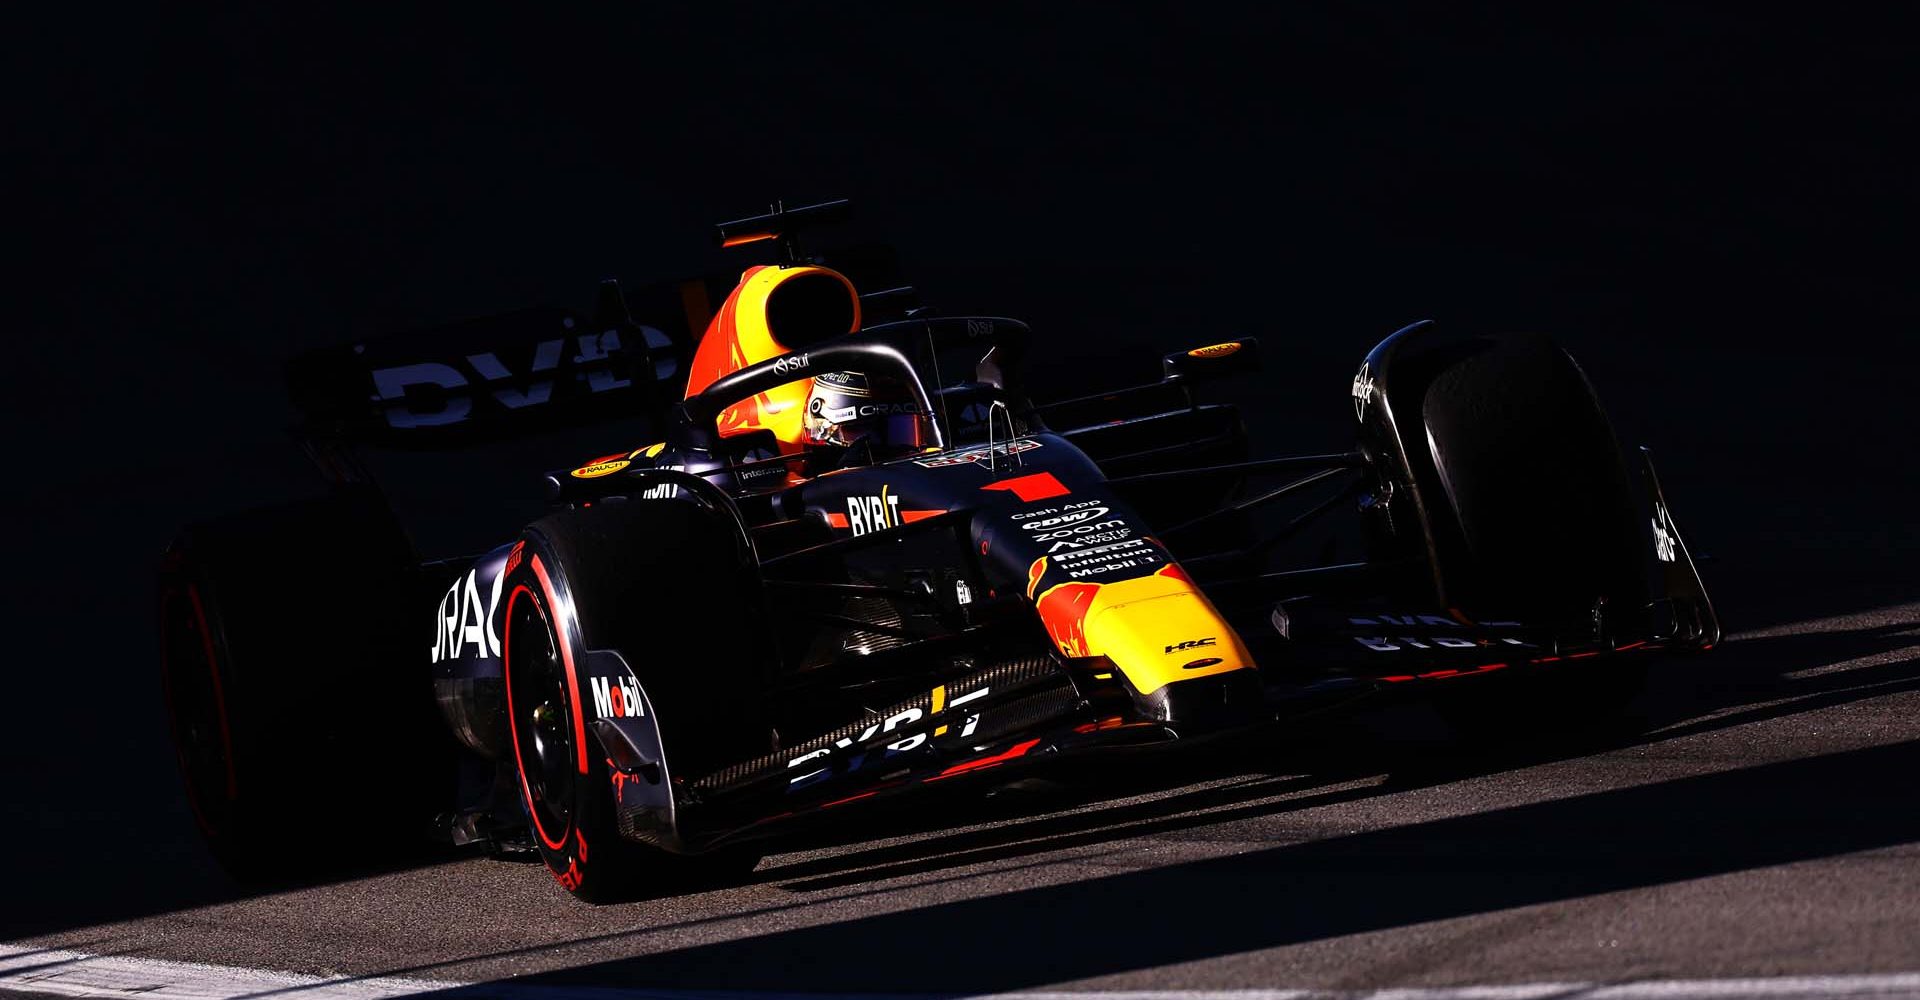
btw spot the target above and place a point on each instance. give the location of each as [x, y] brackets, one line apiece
[497, 376]
[530, 370]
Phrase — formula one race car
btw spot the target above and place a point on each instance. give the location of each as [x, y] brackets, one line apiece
[853, 560]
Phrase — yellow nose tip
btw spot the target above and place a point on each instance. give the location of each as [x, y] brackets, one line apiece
[1161, 632]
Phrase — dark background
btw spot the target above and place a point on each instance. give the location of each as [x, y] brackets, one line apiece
[1711, 208]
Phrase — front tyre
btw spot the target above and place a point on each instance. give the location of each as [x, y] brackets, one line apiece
[660, 584]
[1533, 517]
[562, 781]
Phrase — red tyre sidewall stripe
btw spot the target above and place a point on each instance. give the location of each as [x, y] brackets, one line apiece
[573, 692]
[566, 657]
[219, 711]
[513, 724]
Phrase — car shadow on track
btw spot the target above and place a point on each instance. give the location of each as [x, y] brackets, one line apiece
[1540, 852]
[1342, 760]
[1747, 681]
[1060, 832]
[1537, 853]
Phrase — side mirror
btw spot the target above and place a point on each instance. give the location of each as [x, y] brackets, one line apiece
[1232, 357]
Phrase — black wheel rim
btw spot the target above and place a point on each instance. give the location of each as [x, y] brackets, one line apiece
[196, 709]
[542, 716]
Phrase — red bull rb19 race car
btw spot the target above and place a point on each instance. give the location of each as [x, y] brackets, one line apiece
[857, 561]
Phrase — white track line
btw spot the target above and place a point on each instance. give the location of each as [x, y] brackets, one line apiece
[78, 974]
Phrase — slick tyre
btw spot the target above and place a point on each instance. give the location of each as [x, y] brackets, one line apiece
[1534, 519]
[288, 692]
[1533, 515]
[662, 584]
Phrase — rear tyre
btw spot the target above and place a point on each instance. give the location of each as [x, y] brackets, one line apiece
[662, 584]
[288, 693]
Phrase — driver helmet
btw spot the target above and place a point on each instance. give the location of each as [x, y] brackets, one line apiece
[847, 408]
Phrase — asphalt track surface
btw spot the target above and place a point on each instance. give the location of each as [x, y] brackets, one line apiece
[1758, 819]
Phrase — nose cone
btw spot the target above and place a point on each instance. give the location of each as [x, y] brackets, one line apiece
[1183, 663]
[1164, 637]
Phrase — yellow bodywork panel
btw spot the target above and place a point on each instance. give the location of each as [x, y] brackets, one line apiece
[1157, 629]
